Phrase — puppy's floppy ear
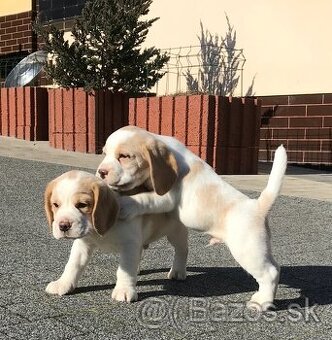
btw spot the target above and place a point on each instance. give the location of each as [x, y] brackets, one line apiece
[48, 204]
[163, 166]
[105, 209]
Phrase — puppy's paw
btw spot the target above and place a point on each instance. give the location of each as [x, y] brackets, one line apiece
[59, 287]
[259, 303]
[129, 208]
[124, 294]
[176, 274]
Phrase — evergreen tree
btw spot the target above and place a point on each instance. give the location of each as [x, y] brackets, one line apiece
[106, 52]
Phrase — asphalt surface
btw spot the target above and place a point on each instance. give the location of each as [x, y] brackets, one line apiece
[208, 305]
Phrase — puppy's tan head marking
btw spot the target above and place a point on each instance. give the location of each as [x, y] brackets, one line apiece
[105, 209]
[135, 157]
[48, 204]
[162, 164]
[82, 199]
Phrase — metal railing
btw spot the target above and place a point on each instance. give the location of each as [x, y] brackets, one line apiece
[190, 60]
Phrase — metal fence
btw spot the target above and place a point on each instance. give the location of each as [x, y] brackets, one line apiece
[191, 59]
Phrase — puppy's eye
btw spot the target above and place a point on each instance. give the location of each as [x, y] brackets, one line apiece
[124, 157]
[81, 205]
[55, 205]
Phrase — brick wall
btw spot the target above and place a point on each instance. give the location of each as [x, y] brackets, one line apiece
[223, 131]
[16, 33]
[303, 123]
[24, 113]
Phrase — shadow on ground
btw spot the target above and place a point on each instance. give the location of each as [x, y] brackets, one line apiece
[313, 282]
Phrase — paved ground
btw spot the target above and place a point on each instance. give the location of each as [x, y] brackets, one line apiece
[208, 305]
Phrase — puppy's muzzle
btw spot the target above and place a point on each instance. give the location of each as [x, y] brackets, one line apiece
[64, 226]
[102, 173]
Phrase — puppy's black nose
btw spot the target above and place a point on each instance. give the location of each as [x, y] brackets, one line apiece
[64, 226]
[103, 173]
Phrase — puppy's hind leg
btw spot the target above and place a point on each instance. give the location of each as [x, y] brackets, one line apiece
[178, 238]
[250, 246]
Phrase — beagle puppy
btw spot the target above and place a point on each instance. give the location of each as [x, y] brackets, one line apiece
[81, 206]
[180, 182]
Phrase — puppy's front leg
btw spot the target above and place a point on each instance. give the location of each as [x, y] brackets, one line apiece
[126, 275]
[145, 203]
[80, 254]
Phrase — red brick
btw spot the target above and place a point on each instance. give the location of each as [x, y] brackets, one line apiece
[142, 113]
[2, 19]
[251, 118]
[11, 29]
[194, 120]
[274, 100]
[22, 41]
[272, 143]
[21, 114]
[80, 142]
[26, 21]
[265, 155]
[266, 133]
[317, 157]
[326, 145]
[167, 106]
[207, 123]
[6, 24]
[68, 111]
[5, 37]
[100, 117]
[278, 122]
[91, 138]
[17, 35]
[24, 15]
[91, 122]
[11, 17]
[235, 123]
[6, 49]
[4, 112]
[306, 99]
[320, 110]
[305, 122]
[303, 145]
[327, 98]
[24, 28]
[26, 47]
[68, 141]
[155, 113]
[18, 22]
[11, 42]
[327, 121]
[323, 133]
[290, 110]
[132, 111]
[180, 118]
[288, 133]
[12, 112]
[80, 104]
[120, 110]
[295, 156]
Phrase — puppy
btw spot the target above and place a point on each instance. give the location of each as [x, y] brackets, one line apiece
[80, 206]
[182, 183]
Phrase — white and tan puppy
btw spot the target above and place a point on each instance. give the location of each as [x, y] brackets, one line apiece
[81, 206]
[184, 184]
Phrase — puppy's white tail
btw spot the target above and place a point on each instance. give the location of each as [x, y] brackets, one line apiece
[271, 191]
